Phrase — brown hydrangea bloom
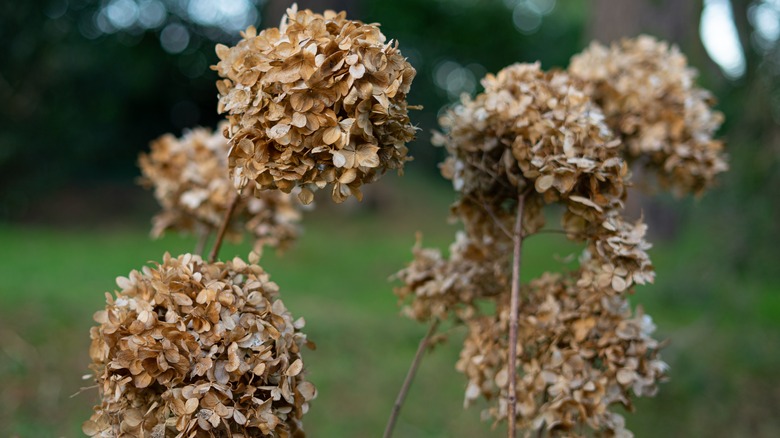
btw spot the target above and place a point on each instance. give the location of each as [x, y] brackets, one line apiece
[580, 349]
[531, 128]
[188, 348]
[434, 286]
[648, 94]
[320, 100]
[190, 180]
[619, 255]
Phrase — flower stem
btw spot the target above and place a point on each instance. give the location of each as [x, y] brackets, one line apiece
[399, 401]
[203, 237]
[223, 228]
[514, 307]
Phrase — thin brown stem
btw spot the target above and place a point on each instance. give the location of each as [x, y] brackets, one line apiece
[514, 307]
[495, 218]
[556, 231]
[399, 401]
[203, 237]
[541, 432]
[223, 228]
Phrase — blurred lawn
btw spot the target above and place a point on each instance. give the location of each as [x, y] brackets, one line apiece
[724, 351]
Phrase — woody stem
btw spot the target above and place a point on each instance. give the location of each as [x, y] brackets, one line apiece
[223, 228]
[202, 239]
[399, 401]
[514, 307]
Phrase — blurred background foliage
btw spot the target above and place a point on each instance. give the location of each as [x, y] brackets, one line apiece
[86, 85]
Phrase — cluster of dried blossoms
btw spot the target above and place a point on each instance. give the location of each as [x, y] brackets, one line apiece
[649, 96]
[195, 349]
[582, 351]
[320, 100]
[533, 139]
[191, 183]
[532, 129]
[189, 348]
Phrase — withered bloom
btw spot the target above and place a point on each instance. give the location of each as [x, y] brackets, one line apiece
[320, 100]
[540, 137]
[190, 180]
[649, 96]
[188, 348]
[434, 286]
[581, 351]
[531, 130]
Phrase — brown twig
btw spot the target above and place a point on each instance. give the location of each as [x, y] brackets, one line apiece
[202, 239]
[399, 401]
[514, 306]
[541, 431]
[495, 218]
[223, 227]
[556, 231]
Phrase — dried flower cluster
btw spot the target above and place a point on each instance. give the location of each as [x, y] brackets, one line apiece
[320, 100]
[188, 348]
[649, 96]
[533, 139]
[532, 129]
[191, 183]
[581, 351]
[436, 286]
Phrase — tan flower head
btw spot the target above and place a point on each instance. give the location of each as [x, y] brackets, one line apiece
[532, 130]
[617, 256]
[434, 286]
[189, 348]
[190, 180]
[320, 100]
[649, 96]
[580, 352]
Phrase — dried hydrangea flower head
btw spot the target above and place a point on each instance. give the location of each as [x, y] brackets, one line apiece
[649, 96]
[188, 348]
[530, 140]
[320, 100]
[537, 129]
[190, 180]
[582, 351]
[436, 287]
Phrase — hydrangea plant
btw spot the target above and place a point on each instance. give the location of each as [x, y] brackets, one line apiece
[561, 351]
[194, 347]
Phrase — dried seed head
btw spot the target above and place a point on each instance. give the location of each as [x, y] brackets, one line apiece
[648, 94]
[531, 130]
[190, 180]
[434, 286]
[320, 100]
[187, 347]
[580, 349]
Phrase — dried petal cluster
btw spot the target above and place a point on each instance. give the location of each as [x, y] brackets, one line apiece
[648, 94]
[190, 180]
[539, 137]
[188, 348]
[434, 286]
[620, 250]
[533, 129]
[581, 351]
[320, 100]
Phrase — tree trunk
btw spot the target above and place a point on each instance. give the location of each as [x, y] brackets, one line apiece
[676, 21]
[672, 20]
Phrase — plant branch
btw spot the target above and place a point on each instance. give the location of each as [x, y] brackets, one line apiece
[514, 307]
[203, 237]
[495, 218]
[223, 227]
[557, 231]
[399, 401]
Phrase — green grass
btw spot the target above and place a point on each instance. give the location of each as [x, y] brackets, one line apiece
[724, 351]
